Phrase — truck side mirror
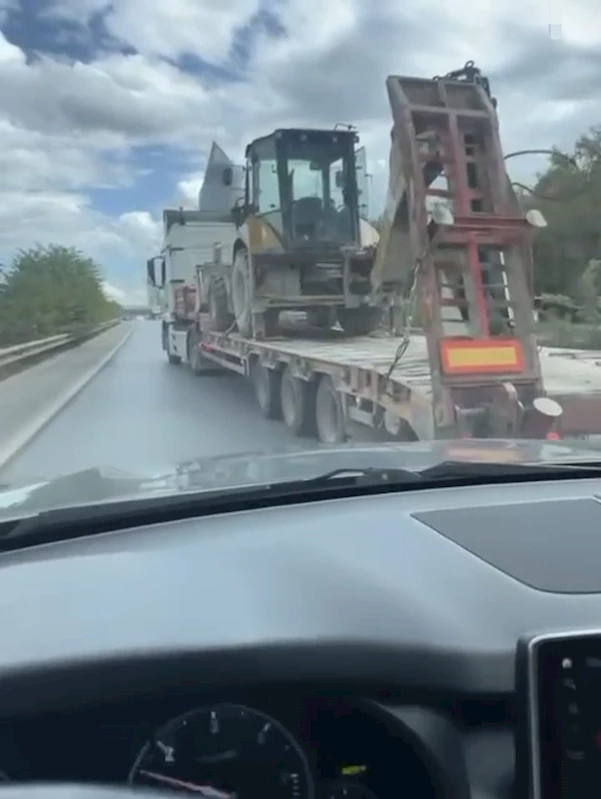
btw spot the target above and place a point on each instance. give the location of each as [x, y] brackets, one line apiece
[236, 215]
[150, 272]
[163, 273]
[239, 212]
[228, 176]
[339, 179]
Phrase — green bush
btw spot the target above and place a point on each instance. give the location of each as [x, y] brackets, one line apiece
[51, 290]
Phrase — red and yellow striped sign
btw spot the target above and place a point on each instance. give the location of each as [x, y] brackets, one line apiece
[481, 356]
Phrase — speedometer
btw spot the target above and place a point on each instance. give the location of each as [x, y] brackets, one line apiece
[225, 752]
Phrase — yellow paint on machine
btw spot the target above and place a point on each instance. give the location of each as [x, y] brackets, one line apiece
[260, 236]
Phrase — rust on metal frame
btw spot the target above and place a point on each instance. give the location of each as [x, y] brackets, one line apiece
[449, 127]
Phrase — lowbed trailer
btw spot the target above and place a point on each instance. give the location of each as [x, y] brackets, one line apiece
[455, 250]
[320, 384]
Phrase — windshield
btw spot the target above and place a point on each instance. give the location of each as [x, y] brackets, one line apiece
[248, 230]
[304, 184]
[320, 184]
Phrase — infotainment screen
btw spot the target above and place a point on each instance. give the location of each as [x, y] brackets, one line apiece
[563, 674]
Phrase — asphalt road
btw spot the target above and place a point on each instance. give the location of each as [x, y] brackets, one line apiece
[141, 414]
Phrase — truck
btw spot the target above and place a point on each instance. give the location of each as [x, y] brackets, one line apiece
[450, 274]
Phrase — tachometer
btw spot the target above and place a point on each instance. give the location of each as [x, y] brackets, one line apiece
[225, 752]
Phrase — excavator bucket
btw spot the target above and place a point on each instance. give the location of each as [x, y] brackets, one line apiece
[454, 233]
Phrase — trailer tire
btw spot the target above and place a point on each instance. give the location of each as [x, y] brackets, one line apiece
[266, 384]
[329, 413]
[298, 404]
[219, 315]
[241, 299]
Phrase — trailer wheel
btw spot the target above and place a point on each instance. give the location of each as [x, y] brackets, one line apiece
[266, 383]
[219, 316]
[329, 413]
[241, 299]
[298, 404]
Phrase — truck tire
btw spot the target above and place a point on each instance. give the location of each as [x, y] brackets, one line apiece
[359, 321]
[175, 360]
[241, 297]
[220, 318]
[266, 383]
[198, 364]
[329, 413]
[298, 404]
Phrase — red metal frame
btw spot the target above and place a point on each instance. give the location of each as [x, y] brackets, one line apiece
[446, 127]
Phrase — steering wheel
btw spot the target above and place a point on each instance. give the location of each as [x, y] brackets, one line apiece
[68, 790]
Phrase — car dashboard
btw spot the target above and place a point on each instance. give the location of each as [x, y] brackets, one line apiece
[359, 648]
[272, 743]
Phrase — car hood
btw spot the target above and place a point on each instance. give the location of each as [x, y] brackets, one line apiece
[105, 484]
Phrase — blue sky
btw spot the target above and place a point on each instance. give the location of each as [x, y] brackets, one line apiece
[108, 111]
[152, 172]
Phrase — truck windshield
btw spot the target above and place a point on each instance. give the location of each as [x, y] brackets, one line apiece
[320, 187]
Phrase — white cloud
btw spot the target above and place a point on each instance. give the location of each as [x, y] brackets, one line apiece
[188, 189]
[126, 298]
[65, 128]
[169, 29]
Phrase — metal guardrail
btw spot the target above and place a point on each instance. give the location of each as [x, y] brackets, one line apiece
[19, 354]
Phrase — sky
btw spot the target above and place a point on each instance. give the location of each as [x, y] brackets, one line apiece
[108, 109]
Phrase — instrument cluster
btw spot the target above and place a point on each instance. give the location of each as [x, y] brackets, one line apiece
[313, 749]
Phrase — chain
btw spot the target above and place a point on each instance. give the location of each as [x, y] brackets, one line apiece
[408, 314]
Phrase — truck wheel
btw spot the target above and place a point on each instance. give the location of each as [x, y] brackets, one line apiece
[198, 364]
[219, 316]
[329, 413]
[173, 359]
[266, 383]
[298, 404]
[359, 321]
[241, 299]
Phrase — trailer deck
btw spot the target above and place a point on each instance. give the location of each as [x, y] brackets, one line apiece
[571, 377]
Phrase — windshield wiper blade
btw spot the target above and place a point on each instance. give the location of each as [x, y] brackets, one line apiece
[485, 470]
[356, 476]
[84, 521]
[62, 524]
[448, 472]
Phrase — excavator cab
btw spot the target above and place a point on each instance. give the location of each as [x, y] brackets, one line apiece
[299, 235]
[303, 185]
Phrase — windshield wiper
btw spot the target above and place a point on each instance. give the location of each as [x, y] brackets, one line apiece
[446, 472]
[82, 521]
